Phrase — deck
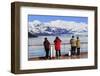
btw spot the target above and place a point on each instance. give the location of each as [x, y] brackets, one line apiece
[81, 56]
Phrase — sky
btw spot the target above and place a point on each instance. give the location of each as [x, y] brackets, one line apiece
[48, 18]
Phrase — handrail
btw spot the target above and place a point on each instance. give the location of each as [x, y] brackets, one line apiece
[61, 44]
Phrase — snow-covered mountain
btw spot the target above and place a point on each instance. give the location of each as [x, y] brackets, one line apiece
[56, 27]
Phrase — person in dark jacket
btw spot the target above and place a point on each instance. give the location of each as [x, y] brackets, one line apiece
[78, 46]
[46, 44]
[57, 43]
[73, 45]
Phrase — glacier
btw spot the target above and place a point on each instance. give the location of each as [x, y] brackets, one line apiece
[56, 27]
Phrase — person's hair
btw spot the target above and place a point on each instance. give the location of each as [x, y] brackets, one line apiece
[72, 36]
[57, 37]
[77, 37]
[45, 38]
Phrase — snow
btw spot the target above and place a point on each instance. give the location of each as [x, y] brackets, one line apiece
[57, 27]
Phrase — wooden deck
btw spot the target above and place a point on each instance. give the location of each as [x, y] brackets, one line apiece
[82, 55]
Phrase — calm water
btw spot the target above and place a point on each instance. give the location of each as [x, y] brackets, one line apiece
[36, 48]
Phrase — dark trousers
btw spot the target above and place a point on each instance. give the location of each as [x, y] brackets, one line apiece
[73, 49]
[78, 51]
[47, 53]
[58, 53]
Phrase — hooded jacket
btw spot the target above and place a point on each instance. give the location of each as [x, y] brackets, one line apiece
[57, 43]
[46, 44]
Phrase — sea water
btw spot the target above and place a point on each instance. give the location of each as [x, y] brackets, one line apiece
[36, 48]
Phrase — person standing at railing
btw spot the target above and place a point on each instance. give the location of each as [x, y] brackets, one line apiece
[73, 45]
[57, 43]
[46, 44]
[78, 46]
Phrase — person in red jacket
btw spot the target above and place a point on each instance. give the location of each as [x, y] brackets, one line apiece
[46, 44]
[57, 43]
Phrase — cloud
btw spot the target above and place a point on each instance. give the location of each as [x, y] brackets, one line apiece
[37, 26]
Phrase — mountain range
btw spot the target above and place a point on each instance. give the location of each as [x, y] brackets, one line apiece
[57, 27]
